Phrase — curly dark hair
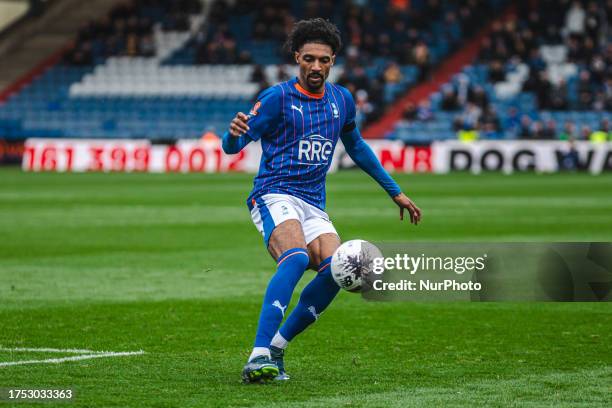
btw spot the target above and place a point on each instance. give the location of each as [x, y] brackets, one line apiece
[315, 30]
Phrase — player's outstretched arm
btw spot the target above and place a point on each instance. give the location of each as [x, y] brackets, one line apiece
[365, 158]
[235, 139]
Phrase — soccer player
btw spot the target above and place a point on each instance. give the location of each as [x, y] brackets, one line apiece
[299, 123]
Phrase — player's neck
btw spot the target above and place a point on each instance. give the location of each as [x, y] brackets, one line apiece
[303, 86]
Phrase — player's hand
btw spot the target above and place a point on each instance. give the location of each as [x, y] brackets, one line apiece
[239, 126]
[404, 203]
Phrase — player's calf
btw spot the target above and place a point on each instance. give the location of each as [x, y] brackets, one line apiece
[291, 266]
[315, 298]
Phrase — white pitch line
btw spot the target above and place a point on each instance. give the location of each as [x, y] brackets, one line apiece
[49, 350]
[74, 358]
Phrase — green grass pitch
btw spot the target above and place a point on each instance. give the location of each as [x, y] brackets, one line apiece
[172, 265]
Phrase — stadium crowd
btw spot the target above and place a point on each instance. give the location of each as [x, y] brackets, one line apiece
[128, 30]
[391, 35]
[381, 39]
[401, 36]
[397, 35]
[579, 30]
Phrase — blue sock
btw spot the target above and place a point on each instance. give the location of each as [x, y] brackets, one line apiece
[315, 298]
[291, 267]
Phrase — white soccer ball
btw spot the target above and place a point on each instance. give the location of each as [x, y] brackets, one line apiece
[352, 264]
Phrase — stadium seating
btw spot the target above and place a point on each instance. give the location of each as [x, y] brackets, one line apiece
[514, 97]
[169, 95]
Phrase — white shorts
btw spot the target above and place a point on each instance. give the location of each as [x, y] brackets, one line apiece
[270, 210]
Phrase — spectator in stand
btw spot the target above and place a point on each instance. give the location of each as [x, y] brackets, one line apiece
[399, 40]
[363, 107]
[452, 29]
[257, 75]
[582, 25]
[462, 89]
[537, 131]
[585, 91]
[449, 98]
[552, 36]
[603, 134]
[392, 77]
[421, 59]
[525, 129]
[527, 44]
[607, 92]
[575, 19]
[147, 46]
[608, 54]
[470, 15]
[568, 132]
[490, 127]
[585, 132]
[261, 86]
[270, 21]
[550, 130]
[598, 68]
[496, 71]
[392, 73]
[593, 22]
[512, 121]
[424, 112]
[244, 57]
[558, 96]
[410, 112]
[457, 124]
[81, 56]
[486, 52]
[535, 61]
[471, 116]
[354, 78]
[541, 86]
[219, 47]
[384, 45]
[490, 117]
[589, 48]
[128, 30]
[599, 101]
[282, 74]
[489, 131]
[478, 96]
[605, 127]
[421, 113]
[575, 52]
[360, 78]
[220, 10]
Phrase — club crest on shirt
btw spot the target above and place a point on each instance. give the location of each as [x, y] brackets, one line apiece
[335, 111]
[255, 108]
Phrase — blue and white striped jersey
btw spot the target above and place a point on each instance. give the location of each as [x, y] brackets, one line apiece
[298, 132]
